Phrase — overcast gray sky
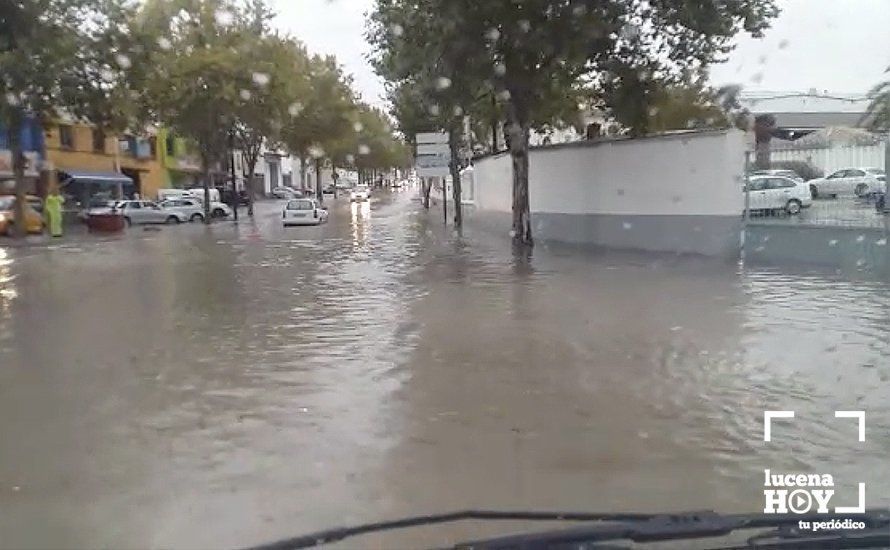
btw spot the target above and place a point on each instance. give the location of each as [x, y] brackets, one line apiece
[842, 46]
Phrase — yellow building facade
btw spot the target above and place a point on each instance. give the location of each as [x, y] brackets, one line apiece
[79, 147]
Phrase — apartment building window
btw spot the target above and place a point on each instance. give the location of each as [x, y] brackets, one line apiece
[66, 137]
[98, 140]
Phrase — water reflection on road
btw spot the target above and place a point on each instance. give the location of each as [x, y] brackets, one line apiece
[200, 387]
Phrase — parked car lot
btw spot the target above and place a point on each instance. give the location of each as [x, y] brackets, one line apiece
[859, 182]
[778, 193]
[303, 212]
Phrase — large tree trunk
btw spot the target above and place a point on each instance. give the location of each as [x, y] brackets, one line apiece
[319, 192]
[251, 166]
[764, 125]
[426, 186]
[206, 170]
[20, 228]
[518, 143]
[302, 172]
[454, 167]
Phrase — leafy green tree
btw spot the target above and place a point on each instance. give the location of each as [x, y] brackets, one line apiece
[46, 49]
[322, 118]
[277, 64]
[536, 53]
[201, 80]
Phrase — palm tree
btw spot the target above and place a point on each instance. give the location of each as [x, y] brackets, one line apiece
[879, 109]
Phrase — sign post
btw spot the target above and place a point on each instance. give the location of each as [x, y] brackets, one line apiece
[433, 159]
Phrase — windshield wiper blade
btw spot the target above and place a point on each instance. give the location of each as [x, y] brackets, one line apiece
[340, 533]
[639, 528]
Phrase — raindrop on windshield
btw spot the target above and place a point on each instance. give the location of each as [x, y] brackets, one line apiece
[500, 69]
[245, 95]
[757, 78]
[364, 149]
[164, 43]
[260, 79]
[434, 110]
[783, 43]
[492, 34]
[458, 111]
[123, 61]
[350, 158]
[579, 10]
[524, 25]
[358, 126]
[443, 83]
[316, 152]
[295, 109]
[224, 18]
[504, 95]
[398, 30]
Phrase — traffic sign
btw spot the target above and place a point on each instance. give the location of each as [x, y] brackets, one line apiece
[431, 137]
[433, 149]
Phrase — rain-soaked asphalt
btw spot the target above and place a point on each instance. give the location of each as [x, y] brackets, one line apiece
[195, 388]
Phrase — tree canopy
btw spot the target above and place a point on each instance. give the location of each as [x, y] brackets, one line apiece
[540, 57]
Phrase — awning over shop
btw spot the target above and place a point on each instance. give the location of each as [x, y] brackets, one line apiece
[112, 177]
[81, 189]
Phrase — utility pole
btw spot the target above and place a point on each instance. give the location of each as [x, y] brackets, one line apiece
[234, 182]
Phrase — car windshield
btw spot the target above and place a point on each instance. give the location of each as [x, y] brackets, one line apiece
[382, 258]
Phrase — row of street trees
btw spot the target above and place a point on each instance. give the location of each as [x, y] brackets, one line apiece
[534, 63]
[213, 71]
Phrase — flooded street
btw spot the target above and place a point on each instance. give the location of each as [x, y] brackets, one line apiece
[193, 387]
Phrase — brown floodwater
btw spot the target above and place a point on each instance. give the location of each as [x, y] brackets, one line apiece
[192, 387]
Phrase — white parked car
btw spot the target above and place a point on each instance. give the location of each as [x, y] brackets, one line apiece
[360, 193]
[145, 212]
[219, 209]
[860, 182]
[770, 193]
[303, 212]
[191, 209]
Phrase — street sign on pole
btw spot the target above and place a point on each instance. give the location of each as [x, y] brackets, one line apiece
[431, 137]
[433, 154]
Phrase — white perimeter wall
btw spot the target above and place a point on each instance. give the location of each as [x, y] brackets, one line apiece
[687, 174]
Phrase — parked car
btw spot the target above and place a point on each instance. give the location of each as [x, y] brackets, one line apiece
[191, 209]
[778, 172]
[219, 210]
[283, 192]
[328, 190]
[146, 212]
[861, 182]
[360, 193]
[774, 193]
[303, 212]
[33, 219]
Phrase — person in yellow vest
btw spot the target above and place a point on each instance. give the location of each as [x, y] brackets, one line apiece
[53, 208]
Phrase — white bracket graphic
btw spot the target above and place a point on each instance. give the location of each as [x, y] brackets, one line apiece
[854, 414]
[767, 420]
[854, 509]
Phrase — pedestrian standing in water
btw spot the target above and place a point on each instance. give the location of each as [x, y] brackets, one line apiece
[53, 209]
